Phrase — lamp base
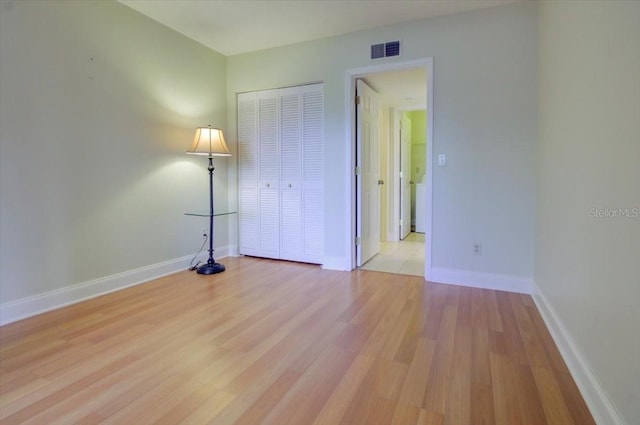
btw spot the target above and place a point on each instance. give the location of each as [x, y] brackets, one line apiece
[210, 268]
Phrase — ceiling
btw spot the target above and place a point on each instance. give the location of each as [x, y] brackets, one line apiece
[232, 27]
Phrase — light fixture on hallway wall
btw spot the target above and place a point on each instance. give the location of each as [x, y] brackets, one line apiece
[209, 142]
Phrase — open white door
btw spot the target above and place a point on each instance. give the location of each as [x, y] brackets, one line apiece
[367, 163]
[405, 177]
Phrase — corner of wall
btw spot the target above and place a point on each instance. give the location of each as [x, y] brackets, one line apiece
[594, 396]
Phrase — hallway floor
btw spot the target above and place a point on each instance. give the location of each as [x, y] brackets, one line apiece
[404, 257]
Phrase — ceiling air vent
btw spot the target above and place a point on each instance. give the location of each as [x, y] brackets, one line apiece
[385, 50]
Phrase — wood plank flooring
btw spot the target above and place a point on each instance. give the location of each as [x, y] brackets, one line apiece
[280, 343]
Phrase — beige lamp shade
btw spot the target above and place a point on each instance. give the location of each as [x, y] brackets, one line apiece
[209, 141]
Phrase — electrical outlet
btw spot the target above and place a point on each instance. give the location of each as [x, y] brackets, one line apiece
[477, 249]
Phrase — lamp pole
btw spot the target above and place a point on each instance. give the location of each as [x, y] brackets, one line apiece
[211, 267]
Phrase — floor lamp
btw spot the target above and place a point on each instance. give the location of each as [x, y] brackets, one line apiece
[210, 142]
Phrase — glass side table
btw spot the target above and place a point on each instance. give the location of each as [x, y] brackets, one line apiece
[211, 267]
[215, 214]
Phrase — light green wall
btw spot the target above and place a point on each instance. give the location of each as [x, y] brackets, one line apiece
[97, 107]
[419, 127]
[418, 153]
[587, 266]
[418, 144]
[485, 121]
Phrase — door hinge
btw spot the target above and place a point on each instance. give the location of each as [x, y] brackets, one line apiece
[401, 174]
[401, 223]
[357, 240]
[357, 100]
[358, 171]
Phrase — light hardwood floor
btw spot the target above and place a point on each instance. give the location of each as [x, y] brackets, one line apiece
[279, 343]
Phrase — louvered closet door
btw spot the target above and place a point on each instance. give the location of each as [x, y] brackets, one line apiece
[290, 174]
[249, 242]
[268, 174]
[281, 173]
[313, 172]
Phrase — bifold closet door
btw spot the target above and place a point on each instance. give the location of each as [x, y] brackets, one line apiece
[281, 173]
[258, 174]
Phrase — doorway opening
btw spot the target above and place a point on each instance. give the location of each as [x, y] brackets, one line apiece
[391, 129]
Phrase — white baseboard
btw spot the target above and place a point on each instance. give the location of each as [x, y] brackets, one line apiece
[13, 311]
[594, 396]
[336, 263]
[498, 282]
[232, 251]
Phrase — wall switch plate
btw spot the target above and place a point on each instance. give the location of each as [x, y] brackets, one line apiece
[442, 160]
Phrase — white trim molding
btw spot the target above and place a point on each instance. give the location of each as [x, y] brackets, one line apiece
[336, 263]
[594, 396]
[350, 152]
[23, 308]
[499, 282]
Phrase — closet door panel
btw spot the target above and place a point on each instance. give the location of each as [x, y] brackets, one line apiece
[269, 174]
[290, 174]
[313, 230]
[290, 136]
[248, 221]
[248, 240]
[291, 224]
[313, 171]
[269, 217]
[313, 132]
[247, 140]
[268, 148]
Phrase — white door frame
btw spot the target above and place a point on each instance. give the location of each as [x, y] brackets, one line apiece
[350, 216]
